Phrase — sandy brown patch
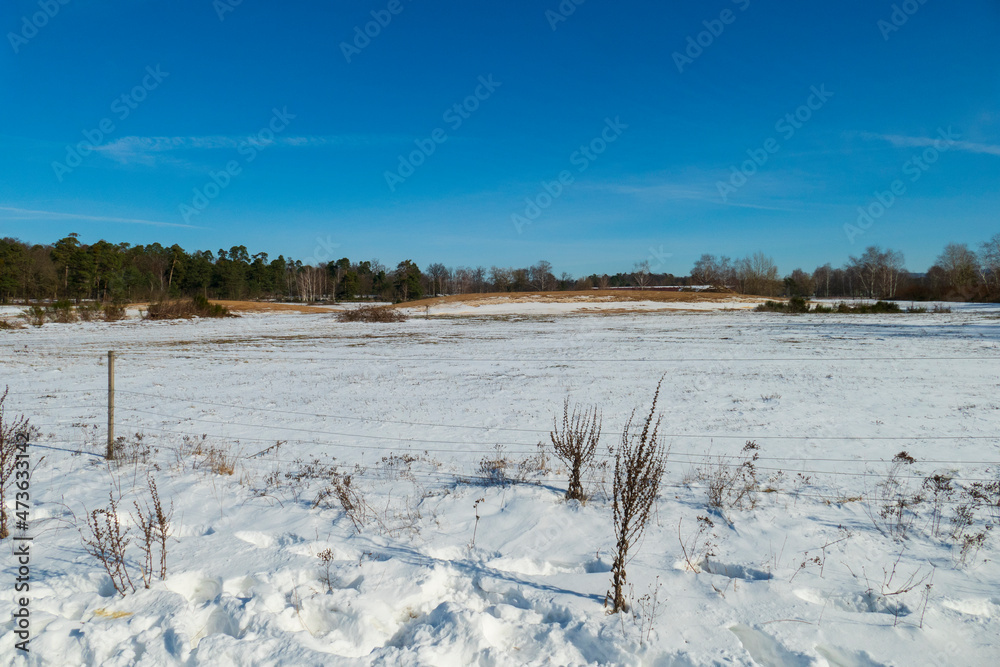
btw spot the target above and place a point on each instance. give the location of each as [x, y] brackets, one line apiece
[583, 296]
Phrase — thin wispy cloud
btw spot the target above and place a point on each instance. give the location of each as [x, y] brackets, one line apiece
[702, 189]
[32, 214]
[145, 150]
[922, 142]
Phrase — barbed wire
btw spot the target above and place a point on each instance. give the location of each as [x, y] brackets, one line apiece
[242, 356]
[704, 460]
[530, 446]
[501, 478]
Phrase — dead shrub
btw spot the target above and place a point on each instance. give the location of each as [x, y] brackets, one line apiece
[396, 466]
[326, 576]
[969, 545]
[351, 500]
[10, 325]
[699, 547]
[499, 469]
[15, 434]
[940, 491]
[732, 483]
[890, 503]
[639, 464]
[493, 469]
[968, 533]
[963, 518]
[154, 527]
[371, 314]
[890, 593]
[106, 541]
[134, 450]
[221, 460]
[575, 443]
[645, 610]
[201, 454]
[987, 494]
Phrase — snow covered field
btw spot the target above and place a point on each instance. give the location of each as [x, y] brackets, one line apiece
[434, 575]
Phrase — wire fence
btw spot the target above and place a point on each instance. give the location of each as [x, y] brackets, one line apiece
[457, 477]
[493, 441]
[388, 445]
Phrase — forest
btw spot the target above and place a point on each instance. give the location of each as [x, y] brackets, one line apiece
[123, 273]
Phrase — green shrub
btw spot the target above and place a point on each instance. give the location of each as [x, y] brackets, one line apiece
[89, 311]
[35, 315]
[204, 308]
[869, 308]
[771, 307]
[371, 314]
[796, 304]
[799, 305]
[885, 307]
[114, 311]
[61, 311]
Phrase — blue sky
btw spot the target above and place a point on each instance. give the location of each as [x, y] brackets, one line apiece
[212, 124]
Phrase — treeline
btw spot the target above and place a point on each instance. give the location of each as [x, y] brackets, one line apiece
[958, 274]
[125, 273]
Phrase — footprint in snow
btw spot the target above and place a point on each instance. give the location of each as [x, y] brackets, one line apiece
[195, 586]
[256, 538]
[765, 649]
[838, 657]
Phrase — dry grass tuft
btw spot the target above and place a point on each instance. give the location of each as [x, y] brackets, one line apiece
[200, 454]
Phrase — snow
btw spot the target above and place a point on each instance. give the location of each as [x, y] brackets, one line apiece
[830, 397]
